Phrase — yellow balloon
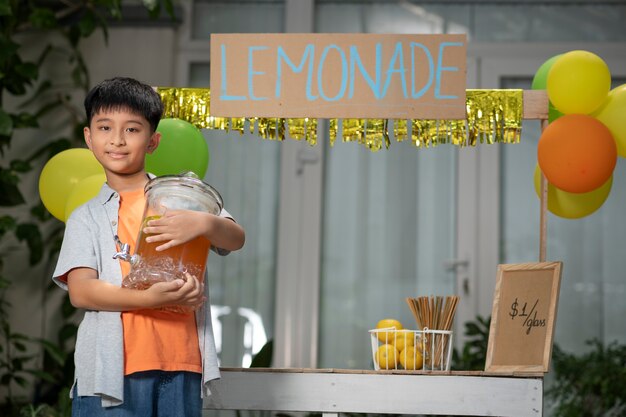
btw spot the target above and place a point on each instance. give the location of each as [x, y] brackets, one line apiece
[61, 173]
[612, 113]
[85, 190]
[578, 82]
[573, 205]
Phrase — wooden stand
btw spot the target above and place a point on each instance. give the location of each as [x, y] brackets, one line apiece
[333, 391]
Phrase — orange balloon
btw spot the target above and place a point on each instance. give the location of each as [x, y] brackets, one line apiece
[577, 153]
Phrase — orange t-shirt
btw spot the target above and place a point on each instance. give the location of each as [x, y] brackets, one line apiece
[153, 339]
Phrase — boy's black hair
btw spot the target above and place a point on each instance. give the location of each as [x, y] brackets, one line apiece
[125, 93]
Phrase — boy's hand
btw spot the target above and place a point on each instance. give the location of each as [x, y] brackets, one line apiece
[181, 226]
[90, 293]
[177, 227]
[178, 292]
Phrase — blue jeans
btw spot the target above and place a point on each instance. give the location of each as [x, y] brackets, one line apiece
[148, 394]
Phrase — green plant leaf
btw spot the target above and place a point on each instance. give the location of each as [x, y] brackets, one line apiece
[17, 363]
[15, 83]
[30, 410]
[68, 331]
[5, 8]
[10, 195]
[150, 4]
[472, 329]
[474, 352]
[4, 284]
[263, 359]
[20, 166]
[5, 141]
[30, 233]
[20, 380]
[42, 18]
[87, 24]
[55, 244]
[19, 336]
[42, 375]
[55, 352]
[8, 49]
[67, 309]
[7, 223]
[115, 8]
[24, 120]
[64, 404]
[154, 10]
[77, 75]
[169, 8]
[40, 212]
[6, 123]
[28, 70]
[589, 384]
[73, 35]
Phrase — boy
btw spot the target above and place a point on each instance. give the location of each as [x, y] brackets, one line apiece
[132, 358]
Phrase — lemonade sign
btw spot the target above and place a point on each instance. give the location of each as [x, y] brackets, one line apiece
[338, 76]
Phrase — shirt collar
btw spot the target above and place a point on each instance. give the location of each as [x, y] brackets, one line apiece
[107, 193]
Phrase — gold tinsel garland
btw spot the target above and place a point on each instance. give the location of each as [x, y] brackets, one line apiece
[493, 116]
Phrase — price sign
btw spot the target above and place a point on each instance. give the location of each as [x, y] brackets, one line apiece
[528, 320]
[523, 317]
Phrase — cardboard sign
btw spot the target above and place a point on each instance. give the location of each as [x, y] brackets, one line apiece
[523, 317]
[338, 76]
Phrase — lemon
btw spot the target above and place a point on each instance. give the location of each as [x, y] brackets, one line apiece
[411, 358]
[388, 337]
[386, 357]
[404, 338]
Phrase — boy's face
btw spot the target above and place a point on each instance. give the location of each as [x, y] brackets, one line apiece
[120, 139]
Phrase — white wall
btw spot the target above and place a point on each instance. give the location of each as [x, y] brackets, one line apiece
[148, 54]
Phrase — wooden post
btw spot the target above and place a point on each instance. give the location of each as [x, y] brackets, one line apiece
[536, 108]
[543, 216]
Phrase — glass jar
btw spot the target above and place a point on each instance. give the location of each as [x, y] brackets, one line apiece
[170, 192]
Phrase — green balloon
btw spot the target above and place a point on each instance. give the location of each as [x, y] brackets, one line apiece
[553, 113]
[540, 80]
[182, 148]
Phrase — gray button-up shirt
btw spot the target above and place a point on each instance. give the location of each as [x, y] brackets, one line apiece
[99, 357]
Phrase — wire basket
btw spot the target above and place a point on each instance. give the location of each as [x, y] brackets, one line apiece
[426, 349]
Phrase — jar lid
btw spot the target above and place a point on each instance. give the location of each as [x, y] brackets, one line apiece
[186, 179]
